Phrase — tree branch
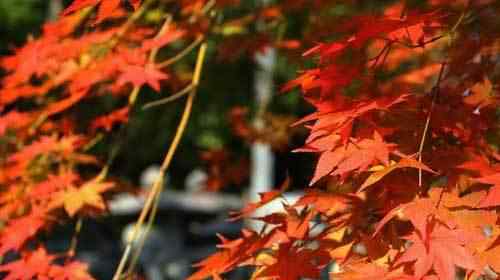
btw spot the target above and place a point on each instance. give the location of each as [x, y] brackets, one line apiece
[158, 184]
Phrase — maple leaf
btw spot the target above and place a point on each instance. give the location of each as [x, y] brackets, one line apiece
[53, 184]
[403, 163]
[235, 252]
[370, 27]
[108, 121]
[17, 231]
[443, 250]
[339, 253]
[362, 270]
[489, 257]
[106, 7]
[252, 206]
[79, 4]
[135, 3]
[89, 194]
[14, 120]
[65, 103]
[44, 145]
[139, 75]
[481, 94]
[364, 153]
[165, 39]
[493, 196]
[293, 224]
[293, 263]
[32, 265]
[324, 202]
[265, 198]
[40, 265]
[74, 270]
[480, 165]
[357, 155]
[417, 211]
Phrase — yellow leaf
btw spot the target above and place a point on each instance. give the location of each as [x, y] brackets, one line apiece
[404, 162]
[337, 235]
[89, 194]
[481, 94]
[341, 252]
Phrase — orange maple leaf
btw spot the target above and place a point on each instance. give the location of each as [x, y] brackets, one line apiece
[493, 196]
[17, 231]
[292, 263]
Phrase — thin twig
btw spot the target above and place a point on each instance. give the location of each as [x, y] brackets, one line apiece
[74, 238]
[383, 54]
[414, 46]
[149, 226]
[181, 54]
[157, 185]
[133, 18]
[170, 98]
[435, 92]
[164, 28]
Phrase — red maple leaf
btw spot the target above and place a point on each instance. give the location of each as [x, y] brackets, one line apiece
[326, 203]
[235, 252]
[43, 145]
[106, 7]
[264, 199]
[14, 120]
[74, 270]
[165, 39]
[108, 121]
[252, 206]
[294, 224]
[443, 250]
[17, 231]
[32, 265]
[362, 270]
[140, 75]
[40, 265]
[418, 211]
[54, 183]
[357, 155]
[292, 263]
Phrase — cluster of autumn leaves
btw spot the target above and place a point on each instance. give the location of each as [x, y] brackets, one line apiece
[406, 184]
[46, 174]
[405, 128]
